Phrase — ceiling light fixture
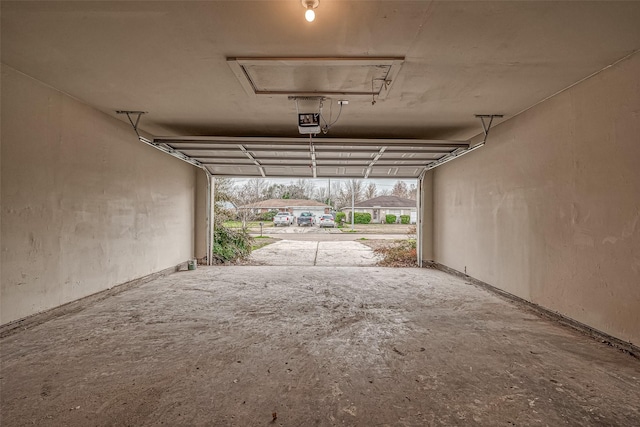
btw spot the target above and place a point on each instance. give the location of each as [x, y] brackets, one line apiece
[310, 15]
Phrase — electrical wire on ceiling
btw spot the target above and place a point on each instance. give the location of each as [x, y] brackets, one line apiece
[373, 95]
[327, 125]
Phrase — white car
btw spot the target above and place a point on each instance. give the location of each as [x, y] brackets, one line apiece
[326, 221]
[283, 218]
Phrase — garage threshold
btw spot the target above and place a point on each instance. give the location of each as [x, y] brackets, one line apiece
[315, 345]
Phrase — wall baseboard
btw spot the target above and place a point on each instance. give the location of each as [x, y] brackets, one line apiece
[82, 303]
[624, 346]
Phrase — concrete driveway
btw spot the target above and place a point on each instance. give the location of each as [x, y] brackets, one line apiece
[310, 253]
[333, 237]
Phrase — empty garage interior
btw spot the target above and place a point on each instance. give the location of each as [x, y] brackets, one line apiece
[526, 310]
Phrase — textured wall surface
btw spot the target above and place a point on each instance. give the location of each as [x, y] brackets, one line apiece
[549, 209]
[85, 206]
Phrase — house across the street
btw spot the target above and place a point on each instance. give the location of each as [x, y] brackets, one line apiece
[380, 207]
[293, 206]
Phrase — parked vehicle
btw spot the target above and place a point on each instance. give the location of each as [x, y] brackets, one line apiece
[327, 221]
[283, 218]
[306, 218]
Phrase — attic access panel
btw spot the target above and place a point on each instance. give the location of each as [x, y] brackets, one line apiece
[353, 76]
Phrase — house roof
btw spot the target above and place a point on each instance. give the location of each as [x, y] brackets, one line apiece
[387, 202]
[284, 203]
[227, 205]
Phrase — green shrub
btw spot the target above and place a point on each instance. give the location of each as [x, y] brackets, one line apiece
[230, 244]
[341, 217]
[404, 219]
[390, 219]
[266, 216]
[362, 218]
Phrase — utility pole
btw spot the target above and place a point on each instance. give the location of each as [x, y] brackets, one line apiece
[353, 205]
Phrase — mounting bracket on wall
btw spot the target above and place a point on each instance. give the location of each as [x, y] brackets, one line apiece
[486, 127]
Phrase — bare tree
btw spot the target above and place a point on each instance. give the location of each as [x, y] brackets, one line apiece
[400, 189]
[321, 194]
[352, 186]
[301, 189]
[275, 191]
[371, 191]
[252, 191]
[336, 186]
[413, 192]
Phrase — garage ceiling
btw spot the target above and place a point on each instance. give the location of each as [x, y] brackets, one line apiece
[175, 60]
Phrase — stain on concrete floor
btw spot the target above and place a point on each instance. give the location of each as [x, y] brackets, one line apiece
[362, 346]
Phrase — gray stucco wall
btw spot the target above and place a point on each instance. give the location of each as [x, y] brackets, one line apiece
[85, 206]
[549, 209]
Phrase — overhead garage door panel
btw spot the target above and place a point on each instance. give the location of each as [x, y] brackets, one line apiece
[314, 158]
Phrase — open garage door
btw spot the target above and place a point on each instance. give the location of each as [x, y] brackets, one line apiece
[312, 157]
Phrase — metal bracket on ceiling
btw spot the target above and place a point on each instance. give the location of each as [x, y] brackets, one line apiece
[129, 114]
[486, 127]
[162, 147]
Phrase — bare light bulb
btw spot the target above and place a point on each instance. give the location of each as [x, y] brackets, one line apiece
[310, 15]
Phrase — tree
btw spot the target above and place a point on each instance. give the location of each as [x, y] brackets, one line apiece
[371, 191]
[250, 192]
[413, 192]
[400, 189]
[223, 192]
[322, 195]
[352, 186]
[301, 189]
[275, 191]
[229, 244]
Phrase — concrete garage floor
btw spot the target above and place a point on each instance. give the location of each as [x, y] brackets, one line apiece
[364, 346]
